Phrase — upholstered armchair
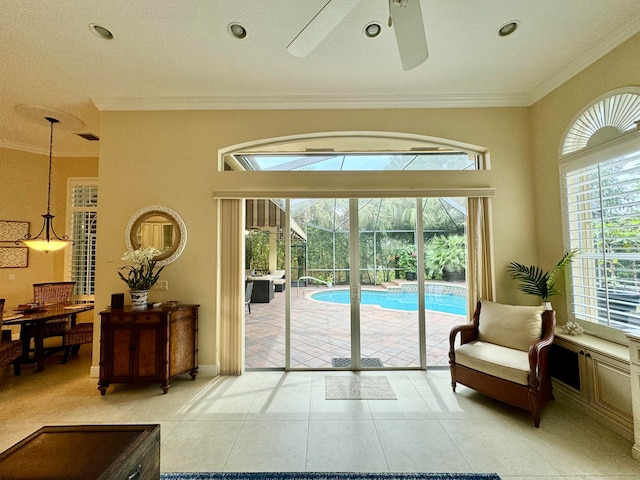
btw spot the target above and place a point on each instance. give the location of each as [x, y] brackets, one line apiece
[504, 353]
[10, 350]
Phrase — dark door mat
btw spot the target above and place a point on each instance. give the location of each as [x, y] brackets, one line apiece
[364, 362]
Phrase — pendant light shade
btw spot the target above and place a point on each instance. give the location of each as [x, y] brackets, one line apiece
[47, 240]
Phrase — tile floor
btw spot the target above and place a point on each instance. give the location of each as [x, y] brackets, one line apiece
[320, 332]
[275, 421]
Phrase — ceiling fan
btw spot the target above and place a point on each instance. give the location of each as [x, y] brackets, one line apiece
[405, 16]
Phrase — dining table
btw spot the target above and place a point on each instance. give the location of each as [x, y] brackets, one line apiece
[37, 317]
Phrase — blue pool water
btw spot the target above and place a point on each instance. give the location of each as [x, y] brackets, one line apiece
[446, 303]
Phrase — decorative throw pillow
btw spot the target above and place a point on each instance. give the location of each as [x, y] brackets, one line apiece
[511, 326]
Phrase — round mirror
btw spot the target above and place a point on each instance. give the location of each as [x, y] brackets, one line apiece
[159, 227]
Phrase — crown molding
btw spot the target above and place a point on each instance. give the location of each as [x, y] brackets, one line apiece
[24, 147]
[599, 49]
[293, 102]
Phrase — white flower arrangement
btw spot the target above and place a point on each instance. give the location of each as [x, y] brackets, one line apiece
[142, 263]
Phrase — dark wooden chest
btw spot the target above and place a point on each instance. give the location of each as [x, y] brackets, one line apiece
[85, 452]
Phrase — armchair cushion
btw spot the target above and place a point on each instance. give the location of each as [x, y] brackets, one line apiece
[502, 362]
[510, 326]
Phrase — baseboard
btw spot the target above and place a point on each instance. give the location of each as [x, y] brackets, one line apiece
[635, 452]
[208, 370]
[204, 370]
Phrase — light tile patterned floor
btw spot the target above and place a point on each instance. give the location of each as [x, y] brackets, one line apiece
[320, 331]
[277, 421]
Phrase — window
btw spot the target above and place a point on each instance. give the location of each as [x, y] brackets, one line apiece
[602, 201]
[443, 160]
[600, 168]
[83, 206]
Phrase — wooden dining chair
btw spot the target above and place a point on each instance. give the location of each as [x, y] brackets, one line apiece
[79, 334]
[10, 350]
[54, 293]
[48, 294]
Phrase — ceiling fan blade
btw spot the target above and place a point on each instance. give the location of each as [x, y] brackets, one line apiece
[320, 26]
[407, 22]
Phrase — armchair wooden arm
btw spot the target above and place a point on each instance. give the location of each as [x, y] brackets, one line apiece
[539, 351]
[468, 332]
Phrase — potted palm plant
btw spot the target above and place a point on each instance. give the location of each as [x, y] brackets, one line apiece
[534, 281]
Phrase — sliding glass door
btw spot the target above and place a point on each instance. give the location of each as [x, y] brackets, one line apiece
[366, 285]
[389, 291]
[354, 307]
[320, 318]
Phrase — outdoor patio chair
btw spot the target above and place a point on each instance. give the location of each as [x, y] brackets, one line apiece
[279, 282]
[504, 353]
[248, 291]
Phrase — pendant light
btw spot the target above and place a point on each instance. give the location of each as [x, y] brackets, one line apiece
[47, 240]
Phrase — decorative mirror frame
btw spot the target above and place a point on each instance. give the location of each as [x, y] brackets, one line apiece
[151, 211]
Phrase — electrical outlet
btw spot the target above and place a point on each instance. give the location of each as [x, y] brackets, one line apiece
[162, 285]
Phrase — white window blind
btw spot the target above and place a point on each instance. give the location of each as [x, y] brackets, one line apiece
[602, 208]
[83, 222]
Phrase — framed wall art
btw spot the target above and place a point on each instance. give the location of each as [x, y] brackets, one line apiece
[10, 230]
[14, 257]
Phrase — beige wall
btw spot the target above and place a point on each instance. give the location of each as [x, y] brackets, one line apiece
[23, 194]
[550, 119]
[170, 158]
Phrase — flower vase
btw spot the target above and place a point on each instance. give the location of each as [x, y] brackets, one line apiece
[139, 299]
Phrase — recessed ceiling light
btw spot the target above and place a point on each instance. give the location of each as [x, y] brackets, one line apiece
[508, 28]
[101, 31]
[237, 30]
[372, 30]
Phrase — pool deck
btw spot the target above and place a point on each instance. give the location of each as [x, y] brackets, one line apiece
[320, 332]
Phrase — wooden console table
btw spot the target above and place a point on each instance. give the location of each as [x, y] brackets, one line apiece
[82, 452]
[153, 345]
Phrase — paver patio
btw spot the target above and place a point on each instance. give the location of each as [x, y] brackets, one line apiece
[320, 332]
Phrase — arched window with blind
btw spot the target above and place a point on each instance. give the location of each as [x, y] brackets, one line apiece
[600, 175]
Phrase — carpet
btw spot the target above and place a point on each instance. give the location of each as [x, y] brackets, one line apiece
[325, 476]
[365, 362]
[358, 388]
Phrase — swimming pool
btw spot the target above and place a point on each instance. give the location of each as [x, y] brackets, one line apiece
[446, 303]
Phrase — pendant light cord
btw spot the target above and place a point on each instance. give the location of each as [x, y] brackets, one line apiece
[51, 120]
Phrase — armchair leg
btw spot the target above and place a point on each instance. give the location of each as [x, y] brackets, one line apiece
[16, 366]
